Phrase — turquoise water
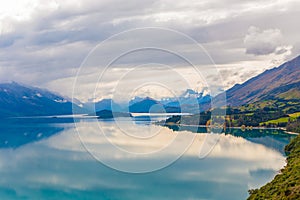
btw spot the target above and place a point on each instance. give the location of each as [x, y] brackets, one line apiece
[40, 160]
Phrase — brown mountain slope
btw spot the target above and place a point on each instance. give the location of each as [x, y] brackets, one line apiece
[280, 82]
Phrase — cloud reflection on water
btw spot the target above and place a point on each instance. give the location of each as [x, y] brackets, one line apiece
[60, 168]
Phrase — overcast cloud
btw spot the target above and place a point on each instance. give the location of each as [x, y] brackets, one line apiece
[43, 43]
[264, 42]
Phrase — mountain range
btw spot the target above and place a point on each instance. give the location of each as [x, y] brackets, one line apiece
[187, 101]
[149, 105]
[280, 83]
[104, 104]
[18, 100]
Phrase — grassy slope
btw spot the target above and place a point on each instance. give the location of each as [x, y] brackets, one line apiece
[287, 184]
[295, 115]
[292, 117]
[294, 93]
[279, 120]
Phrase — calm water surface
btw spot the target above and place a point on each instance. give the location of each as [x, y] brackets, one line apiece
[42, 160]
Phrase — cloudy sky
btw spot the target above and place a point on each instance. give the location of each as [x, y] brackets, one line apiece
[105, 44]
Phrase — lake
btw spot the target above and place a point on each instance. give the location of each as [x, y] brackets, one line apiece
[124, 159]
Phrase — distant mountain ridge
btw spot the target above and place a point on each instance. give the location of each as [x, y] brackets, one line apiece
[104, 104]
[188, 100]
[281, 82]
[149, 105]
[280, 85]
[20, 100]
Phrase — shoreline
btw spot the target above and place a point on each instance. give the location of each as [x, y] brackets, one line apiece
[204, 126]
[292, 133]
[286, 183]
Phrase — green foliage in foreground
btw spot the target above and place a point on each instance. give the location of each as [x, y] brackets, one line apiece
[287, 184]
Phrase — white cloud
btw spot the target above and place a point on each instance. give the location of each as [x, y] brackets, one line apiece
[264, 42]
[43, 44]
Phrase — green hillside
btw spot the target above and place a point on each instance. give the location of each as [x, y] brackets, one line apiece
[286, 185]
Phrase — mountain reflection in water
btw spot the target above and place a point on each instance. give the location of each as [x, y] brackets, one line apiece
[59, 167]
